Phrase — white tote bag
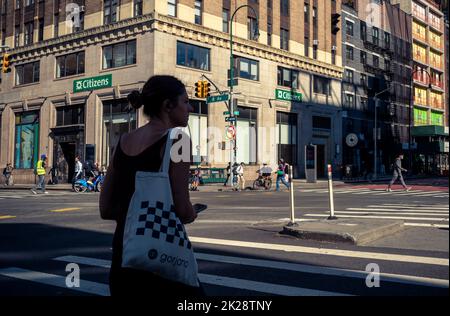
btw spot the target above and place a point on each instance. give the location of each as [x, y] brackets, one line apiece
[154, 239]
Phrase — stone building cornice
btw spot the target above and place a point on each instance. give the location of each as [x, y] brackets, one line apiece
[156, 22]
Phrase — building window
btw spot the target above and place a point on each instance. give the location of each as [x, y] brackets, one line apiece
[284, 39]
[321, 122]
[246, 143]
[17, 36]
[247, 68]
[172, 8]
[349, 75]
[197, 131]
[118, 118]
[287, 78]
[119, 55]
[322, 85]
[17, 4]
[349, 27]
[349, 52]
[269, 34]
[269, 4]
[56, 24]
[363, 80]
[29, 2]
[363, 56]
[387, 40]
[198, 8]
[225, 20]
[193, 56]
[363, 30]
[251, 25]
[28, 39]
[349, 100]
[306, 46]
[284, 7]
[333, 56]
[70, 115]
[69, 65]
[375, 35]
[315, 52]
[376, 61]
[286, 135]
[110, 11]
[137, 8]
[26, 149]
[306, 13]
[41, 30]
[364, 104]
[27, 73]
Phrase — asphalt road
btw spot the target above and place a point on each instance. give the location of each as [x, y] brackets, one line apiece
[237, 243]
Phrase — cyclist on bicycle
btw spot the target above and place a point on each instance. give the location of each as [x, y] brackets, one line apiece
[264, 175]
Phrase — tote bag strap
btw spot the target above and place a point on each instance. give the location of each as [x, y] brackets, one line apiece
[166, 158]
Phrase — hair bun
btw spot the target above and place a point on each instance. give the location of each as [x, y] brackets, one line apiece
[135, 99]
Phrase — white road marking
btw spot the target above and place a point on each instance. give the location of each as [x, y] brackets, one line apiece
[323, 251]
[394, 210]
[410, 206]
[55, 280]
[426, 225]
[389, 212]
[386, 217]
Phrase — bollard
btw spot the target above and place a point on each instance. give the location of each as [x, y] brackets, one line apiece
[291, 189]
[330, 191]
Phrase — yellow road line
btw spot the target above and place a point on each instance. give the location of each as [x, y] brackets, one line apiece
[7, 217]
[66, 209]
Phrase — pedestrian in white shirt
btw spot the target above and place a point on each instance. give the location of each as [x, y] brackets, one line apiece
[78, 171]
[240, 173]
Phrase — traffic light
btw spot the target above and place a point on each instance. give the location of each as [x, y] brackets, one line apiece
[199, 89]
[206, 89]
[6, 63]
[335, 23]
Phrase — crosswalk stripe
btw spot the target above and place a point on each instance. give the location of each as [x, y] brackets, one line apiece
[323, 251]
[426, 225]
[394, 210]
[388, 212]
[7, 217]
[386, 217]
[409, 206]
[55, 280]
[387, 277]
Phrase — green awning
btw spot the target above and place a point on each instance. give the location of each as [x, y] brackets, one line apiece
[428, 130]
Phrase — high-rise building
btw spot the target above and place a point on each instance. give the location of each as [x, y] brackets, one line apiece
[377, 67]
[429, 131]
[75, 62]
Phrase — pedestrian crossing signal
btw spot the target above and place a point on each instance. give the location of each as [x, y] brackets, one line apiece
[199, 89]
[206, 89]
[6, 63]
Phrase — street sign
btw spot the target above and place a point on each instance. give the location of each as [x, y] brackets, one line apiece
[230, 132]
[93, 83]
[230, 119]
[235, 82]
[287, 95]
[236, 113]
[226, 113]
[218, 98]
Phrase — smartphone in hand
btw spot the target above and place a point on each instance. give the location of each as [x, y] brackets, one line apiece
[199, 207]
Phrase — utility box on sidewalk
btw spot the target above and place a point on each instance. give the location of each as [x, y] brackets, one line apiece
[311, 163]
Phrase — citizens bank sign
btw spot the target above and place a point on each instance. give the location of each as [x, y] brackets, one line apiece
[94, 83]
[288, 95]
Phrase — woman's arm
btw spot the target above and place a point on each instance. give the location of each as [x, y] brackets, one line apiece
[109, 207]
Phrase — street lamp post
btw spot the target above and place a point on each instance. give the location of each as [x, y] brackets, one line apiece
[410, 118]
[254, 36]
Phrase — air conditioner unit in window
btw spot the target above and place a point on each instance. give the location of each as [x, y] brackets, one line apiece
[315, 42]
[334, 48]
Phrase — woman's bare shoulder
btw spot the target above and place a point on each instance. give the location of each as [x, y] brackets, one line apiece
[135, 142]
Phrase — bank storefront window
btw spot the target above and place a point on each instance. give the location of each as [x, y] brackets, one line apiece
[246, 140]
[286, 135]
[118, 118]
[26, 140]
[197, 131]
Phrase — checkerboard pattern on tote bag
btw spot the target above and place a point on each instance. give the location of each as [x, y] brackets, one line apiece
[161, 223]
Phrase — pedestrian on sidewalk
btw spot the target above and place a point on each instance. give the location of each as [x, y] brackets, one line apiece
[228, 174]
[78, 171]
[281, 173]
[40, 172]
[397, 173]
[240, 175]
[7, 172]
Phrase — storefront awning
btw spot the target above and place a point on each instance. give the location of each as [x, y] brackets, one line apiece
[428, 130]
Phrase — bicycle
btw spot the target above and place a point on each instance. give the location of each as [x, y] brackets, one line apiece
[263, 181]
